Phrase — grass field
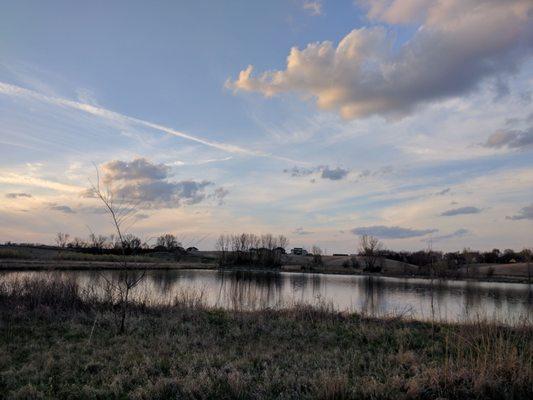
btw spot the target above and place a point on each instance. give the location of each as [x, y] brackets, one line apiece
[56, 342]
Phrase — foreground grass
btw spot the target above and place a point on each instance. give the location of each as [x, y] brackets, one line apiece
[58, 343]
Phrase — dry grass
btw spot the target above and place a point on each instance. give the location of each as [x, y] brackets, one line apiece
[59, 342]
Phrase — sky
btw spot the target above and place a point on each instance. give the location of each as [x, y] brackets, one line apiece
[409, 120]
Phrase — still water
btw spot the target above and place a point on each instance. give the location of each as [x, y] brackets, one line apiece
[374, 296]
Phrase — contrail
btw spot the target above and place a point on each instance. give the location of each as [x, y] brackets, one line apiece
[13, 90]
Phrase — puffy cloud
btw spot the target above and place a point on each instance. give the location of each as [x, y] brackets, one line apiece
[334, 174]
[524, 213]
[461, 211]
[513, 139]
[17, 195]
[392, 232]
[148, 184]
[138, 169]
[459, 43]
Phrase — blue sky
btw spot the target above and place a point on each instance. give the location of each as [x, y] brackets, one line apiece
[384, 114]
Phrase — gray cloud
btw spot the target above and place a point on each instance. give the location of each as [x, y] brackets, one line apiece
[457, 47]
[461, 211]
[16, 195]
[513, 139]
[299, 171]
[301, 231]
[524, 213]
[62, 208]
[219, 194]
[334, 174]
[443, 192]
[458, 233]
[392, 232]
[326, 172]
[148, 184]
[164, 194]
[386, 170]
[138, 169]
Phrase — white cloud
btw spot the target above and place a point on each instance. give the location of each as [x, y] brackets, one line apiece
[313, 7]
[458, 45]
[16, 91]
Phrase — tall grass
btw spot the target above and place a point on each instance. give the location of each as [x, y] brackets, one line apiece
[186, 349]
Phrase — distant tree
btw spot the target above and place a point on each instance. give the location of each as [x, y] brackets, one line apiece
[61, 242]
[168, 241]
[370, 248]
[77, 243]
[317, 255]
[97, 242]
[527, 255]
[62, 239]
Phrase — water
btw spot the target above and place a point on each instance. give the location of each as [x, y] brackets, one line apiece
[421, 299]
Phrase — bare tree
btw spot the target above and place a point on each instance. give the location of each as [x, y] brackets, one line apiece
[528, 255]
[61, 242]
[370, 248]
[168, 241]
[121, 211]
[317, 255]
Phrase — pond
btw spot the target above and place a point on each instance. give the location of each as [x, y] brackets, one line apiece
[422, 299]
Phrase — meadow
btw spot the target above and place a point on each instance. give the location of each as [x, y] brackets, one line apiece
[58, 341]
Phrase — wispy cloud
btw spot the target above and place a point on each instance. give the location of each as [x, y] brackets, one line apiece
[392, 232]
[17, 91]
[524, 213]
[458, 233]
[17, 195]
[25, 180]
[313, 7]
[461, 211]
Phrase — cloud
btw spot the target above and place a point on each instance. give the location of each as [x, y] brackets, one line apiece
[138, 169]
[524, 213]
[386, 170]
[313, 7]
[17, 91]
[299, 171]
[333, 174]
[458, 45]
[145, 183]
[219, 194]
[62, 208]
[392, 232]
[16, 195]
[443, 192]
[12, 178]
[461, 211]
[458, 233]
[512, 139]
[301, 231]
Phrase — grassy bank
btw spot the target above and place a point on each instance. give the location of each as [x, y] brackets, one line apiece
[56, 342]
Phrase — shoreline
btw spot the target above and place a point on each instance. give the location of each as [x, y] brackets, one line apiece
[13, 265]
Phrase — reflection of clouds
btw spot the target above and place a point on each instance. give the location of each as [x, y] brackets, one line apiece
[374, 296]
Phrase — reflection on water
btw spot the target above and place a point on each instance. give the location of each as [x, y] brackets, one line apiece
[374, 296]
